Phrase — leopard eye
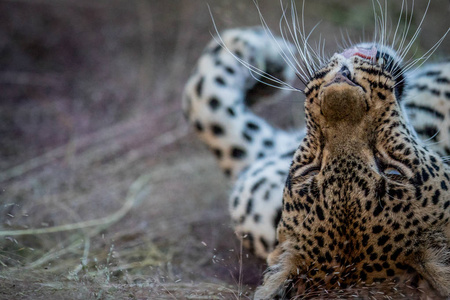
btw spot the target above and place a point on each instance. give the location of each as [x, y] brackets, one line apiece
[394, 174]
[389, 170]
[307, 173]
[392, 171]
[312, 171]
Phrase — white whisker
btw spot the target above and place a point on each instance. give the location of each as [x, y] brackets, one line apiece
[415, 63]
[253, 70]
[429, 139]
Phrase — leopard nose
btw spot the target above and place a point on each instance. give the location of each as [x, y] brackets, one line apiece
[345, 72]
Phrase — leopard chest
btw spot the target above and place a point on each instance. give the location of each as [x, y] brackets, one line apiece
[352, 227]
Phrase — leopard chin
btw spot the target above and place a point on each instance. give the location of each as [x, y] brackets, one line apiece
[341, 100]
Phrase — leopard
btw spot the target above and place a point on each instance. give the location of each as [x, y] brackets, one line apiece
[358, 197]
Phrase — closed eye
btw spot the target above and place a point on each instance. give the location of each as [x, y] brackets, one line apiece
[392, 171]
[394, 174]
[307, 173]
[312, 171]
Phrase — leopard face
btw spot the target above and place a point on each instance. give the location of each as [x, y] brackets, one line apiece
[364, 200]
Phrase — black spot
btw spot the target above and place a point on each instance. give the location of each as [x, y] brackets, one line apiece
[377, 267]
[235, 202]
[256, 218]
[216, 49]
[380, 190]
[230, 70]
[198, 126]
[217, 153]
[217, 130]
[247, 137]
[365, 240]
[252, 126]
[435, 197]
[378, 209]
[319, 240]
[442, 80]
[399, 237]
[396, 253]
[368, 268]
[435, 92]
[387, 248]
[446, 204]
[249, 208]
[257, 185]
[377, 229]
[430, 131]
[231, 112]
[319, 212]
[288, 154]
[219, 80]
[238, 153]
[397, 208]
[268, 143]
[363, 276]
[267, 195]
[432, 73]
[381, 96]
[382, 240]
[199, 87]
[426, 109]
[214, 103]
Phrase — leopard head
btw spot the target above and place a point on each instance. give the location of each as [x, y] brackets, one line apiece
[365, 200]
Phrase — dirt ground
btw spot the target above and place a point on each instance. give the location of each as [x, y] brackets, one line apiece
[105, 193]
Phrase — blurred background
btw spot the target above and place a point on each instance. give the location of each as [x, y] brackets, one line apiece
[112, 193]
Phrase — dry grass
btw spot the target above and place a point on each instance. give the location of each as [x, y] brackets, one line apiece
[105, 193]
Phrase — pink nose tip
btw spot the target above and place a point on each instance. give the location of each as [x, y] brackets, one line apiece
[361, 52]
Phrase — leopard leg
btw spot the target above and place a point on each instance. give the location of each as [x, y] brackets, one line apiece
[217, 92]
[216, 101]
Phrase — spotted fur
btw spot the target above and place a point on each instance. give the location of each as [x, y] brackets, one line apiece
[365, 201]
[249, 150]
[366, 195]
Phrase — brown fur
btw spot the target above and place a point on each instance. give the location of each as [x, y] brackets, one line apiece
[352, 224]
